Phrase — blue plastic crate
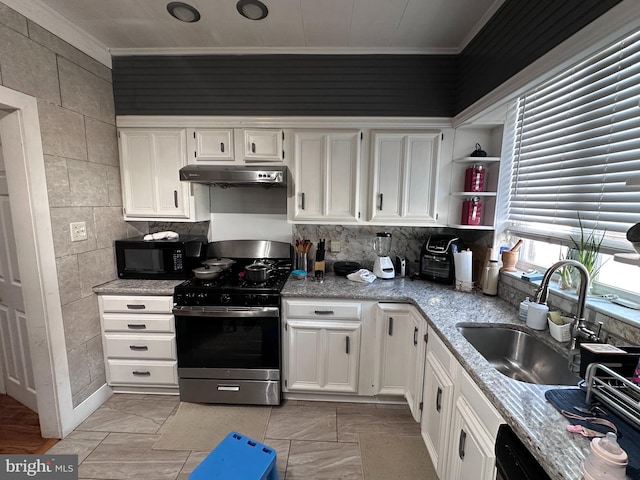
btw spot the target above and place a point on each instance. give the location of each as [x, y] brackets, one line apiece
[238, 457]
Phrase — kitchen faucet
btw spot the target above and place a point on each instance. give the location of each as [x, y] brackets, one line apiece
[579, 330]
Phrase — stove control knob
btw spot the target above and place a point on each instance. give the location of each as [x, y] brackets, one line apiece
[225, 298]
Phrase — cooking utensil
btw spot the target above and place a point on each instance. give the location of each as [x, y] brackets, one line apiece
[223, 263]
[257, 272]
[207, 273]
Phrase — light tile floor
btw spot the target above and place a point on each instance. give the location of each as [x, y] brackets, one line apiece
[313, 440]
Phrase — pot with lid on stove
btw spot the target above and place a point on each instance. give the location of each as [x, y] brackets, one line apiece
[257, 272]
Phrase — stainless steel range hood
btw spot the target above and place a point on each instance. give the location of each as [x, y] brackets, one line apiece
[235, 176]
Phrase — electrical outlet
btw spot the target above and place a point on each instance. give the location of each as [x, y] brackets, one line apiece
[335, 246]
[78, 231]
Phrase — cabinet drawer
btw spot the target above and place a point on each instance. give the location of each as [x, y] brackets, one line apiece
[323, 309]
[482, 407]
[138, 323]
[152, 346]
[143, 372]
[442, 353]
[137, 304]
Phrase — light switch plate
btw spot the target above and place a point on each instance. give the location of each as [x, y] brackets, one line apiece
[78, 231]
[335, 246]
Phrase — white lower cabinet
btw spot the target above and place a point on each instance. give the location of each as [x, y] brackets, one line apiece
[459, 425]
[474, 427]
[437, 402]
[400, 353]
[138, 338]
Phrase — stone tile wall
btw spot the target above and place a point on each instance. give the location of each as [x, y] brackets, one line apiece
[77, 120]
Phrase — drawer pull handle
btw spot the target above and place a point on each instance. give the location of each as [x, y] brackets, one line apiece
[347, 351]
[228, 388]
[222, 147]
[415, 335]
[381, 198]
[253, 147]
[323, 312]
[141, 373]
[439, 400]
[136, 326]
[139, 348]
[461, 442]
[301, 200]
[390, 326]
[136, 307]
[175, 198]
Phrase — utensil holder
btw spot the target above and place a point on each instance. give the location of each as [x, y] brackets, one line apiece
[301, 261]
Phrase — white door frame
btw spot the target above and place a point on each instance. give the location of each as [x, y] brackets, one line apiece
[21, 138]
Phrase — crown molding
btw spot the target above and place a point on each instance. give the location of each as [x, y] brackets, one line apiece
[61, 27]
[121, 52]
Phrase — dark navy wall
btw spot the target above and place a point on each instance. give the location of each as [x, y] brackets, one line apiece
[351, 85]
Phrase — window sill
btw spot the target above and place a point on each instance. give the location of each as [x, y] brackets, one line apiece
[594, 302]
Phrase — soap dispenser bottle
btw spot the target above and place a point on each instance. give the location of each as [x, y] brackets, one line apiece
[524, 309]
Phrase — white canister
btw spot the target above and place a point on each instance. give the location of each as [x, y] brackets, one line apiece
[537, 316]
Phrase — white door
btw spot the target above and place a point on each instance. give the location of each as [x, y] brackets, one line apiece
[17, 370]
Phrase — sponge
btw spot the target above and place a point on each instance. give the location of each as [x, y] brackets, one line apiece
[556, 318]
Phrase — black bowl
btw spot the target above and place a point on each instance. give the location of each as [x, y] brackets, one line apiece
[345, 268]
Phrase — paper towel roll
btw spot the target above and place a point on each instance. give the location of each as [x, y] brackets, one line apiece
[462, 262]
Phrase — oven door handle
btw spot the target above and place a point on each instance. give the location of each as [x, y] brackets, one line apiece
[226, 312]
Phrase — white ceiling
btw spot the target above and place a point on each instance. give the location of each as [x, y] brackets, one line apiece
[300, 26]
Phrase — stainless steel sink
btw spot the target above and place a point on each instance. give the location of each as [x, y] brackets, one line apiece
[519, 355]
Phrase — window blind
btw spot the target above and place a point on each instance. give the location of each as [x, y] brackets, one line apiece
[577, 143]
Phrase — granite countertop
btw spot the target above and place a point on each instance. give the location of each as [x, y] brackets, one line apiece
[523, 406]
[137, 287]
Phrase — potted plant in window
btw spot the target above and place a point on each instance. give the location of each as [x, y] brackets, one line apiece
[585, 250]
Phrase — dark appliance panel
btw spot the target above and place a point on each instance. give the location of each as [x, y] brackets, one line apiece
[436, 259]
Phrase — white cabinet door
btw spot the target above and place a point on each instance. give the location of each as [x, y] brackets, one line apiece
[404, 177]
[263, 145]
[211, 146]
[327, 176]
[436, 412]
[393, 331]
[415, 363]
[151, 186]
[471, 449]
[322, 356]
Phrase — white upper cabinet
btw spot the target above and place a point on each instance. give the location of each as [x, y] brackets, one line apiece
[404, 170]
[327, 177]
[229, 146]
[151, 187]
[210, 145]
[264, 145]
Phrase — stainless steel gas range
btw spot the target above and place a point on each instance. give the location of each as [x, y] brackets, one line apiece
[228, 329]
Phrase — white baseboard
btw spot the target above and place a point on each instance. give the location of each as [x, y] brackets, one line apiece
[90, 405]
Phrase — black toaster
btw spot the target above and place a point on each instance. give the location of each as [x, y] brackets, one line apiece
[436, 259]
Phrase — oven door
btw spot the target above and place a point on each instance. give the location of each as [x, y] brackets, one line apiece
[228, 354]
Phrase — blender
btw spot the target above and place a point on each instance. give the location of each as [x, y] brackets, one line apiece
[383, 266]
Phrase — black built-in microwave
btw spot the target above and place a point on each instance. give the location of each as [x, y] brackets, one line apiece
[159, 259]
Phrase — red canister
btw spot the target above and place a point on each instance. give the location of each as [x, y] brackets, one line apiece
[474, 179]
[471, 211]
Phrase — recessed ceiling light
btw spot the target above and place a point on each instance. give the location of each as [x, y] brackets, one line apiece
[183, 12]
[252, 9]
